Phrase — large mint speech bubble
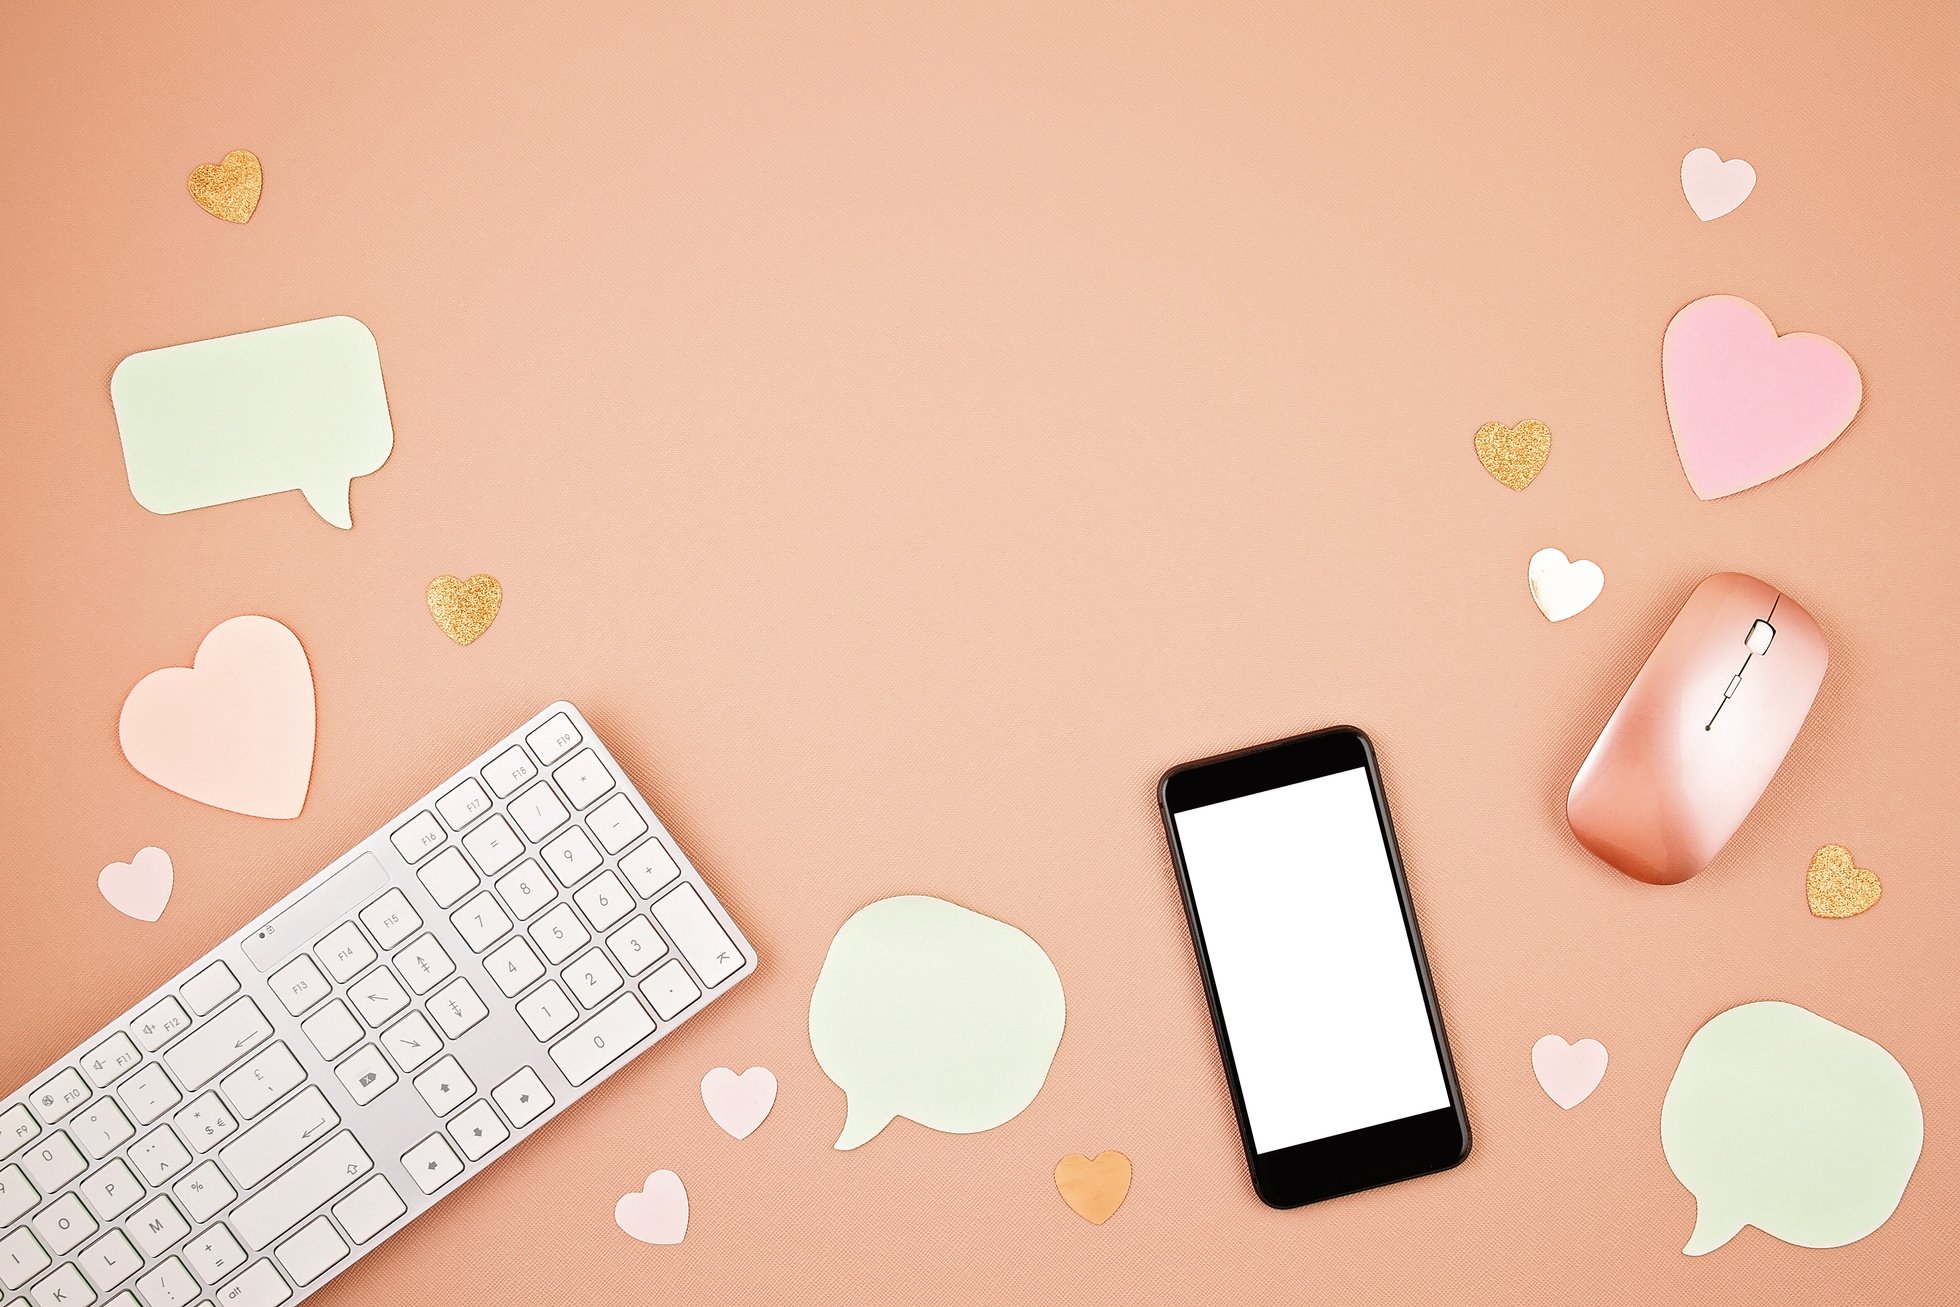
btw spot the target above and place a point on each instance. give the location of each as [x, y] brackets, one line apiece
[298, 407]
[1782, 1120]
[932, 1012]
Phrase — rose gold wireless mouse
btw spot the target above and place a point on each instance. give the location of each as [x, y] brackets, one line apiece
[1701, 731]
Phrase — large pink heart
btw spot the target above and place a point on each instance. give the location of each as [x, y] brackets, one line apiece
[234, 729]
[1745, 403]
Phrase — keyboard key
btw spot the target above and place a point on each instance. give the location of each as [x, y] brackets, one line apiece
[369, 1209]
[512, 966]
[299, 985]
[493, 845]
[366, 1074]
[111, 1191]
[332, 1030]
[62, 1289]
[102, 1127]
[553, 740]
[670, 989]
[344, 950]
[432, 1164]
[109, 1261]
[204, 1122]
[197, 1059]
[548, 1011]
[604, 902]
[571, 856]
[214, 1254]
[204, 1191]
[168, 1285]
[210, 987]
[456, 1007]
[481, 922]
[591, 978]
[608, 1036]
[390, 919]
[526, 890]
[445, 1086]
[262, 1081]
[378, 996]
[21, 1258]
[411, 1041]
[53, 1162]
[315, 1247]
[538, 812]
[417, 838]
[63, 1224]
[161, 1024]
[17, 1126]
[477, 1129]
[159, 1155]
[156, 1225]
[296, 1125]
[559, 933]
[508, 770]
[110, 1059]
[18, 1194]
[464, 804]
[314, 1179]
[148, 1094]
[425, 964]
[697, 933]
[583, 779]
[523, 1098]
[637, 945]
[61, 1095]
[616, 823]
[259, 1286]
[448, 877]
[650, 868]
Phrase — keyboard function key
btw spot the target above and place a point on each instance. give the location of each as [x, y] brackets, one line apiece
[670, 989]
[445, 1086]
[223, 1039]
[216, 1253]
[110, 1059]
[637, 945]
[210, 987]
[378, 996]
[344, 950]
[159, 1155]
[63, 1224]
[17, 1127]
[650, 868]
[592, 978]
[148, 1094]
[448, 877]
[616, 823]
[538, 812]
[583, 779]
[523, 1098]
[369, 1208]
[512, 966]
[610, 1034]
[111, 1191]
[548, 1011]
[53, 1162]
[698, 934]
[314, 1248]
[299, 984]
[411, 1041]
[156, 1225]
[102, 1127]
[425, 964]
[390, 919]
[481, 922]
[456, 1007]
[60, 1096]
[204, 1123]
[204, 1191]
[332, 1030]
[493, 845]
[559, 933]
[553, 740]
[161, 1024]
[508, 770]
[366, 1074]
[464, 804]
[432, 1164]
[418, 837]
[571, 856]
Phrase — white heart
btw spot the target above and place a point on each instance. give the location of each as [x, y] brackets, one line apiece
[140, 887]
[1568, 1073]
[1562, 588]
[739, 1103]
[657, 1213]
[1714, 186]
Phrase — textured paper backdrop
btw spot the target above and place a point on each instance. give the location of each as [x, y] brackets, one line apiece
[905, 430]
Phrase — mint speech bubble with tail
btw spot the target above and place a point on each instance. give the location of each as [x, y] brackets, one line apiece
[933, 1012]
[1782, 1120]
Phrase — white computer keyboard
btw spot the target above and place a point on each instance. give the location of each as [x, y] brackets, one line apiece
[382, 1034]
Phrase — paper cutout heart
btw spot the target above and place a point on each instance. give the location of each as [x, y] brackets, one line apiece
[234, 729]
[1514, 455]
[1715, 186]
[229, 190]
[1094, 1188]
[738, 1103]
[464, 609]
[1836, 887]
[1747, 404]
[1568, 1073]
[657, 1213]
[1561, 587]
[140, 887]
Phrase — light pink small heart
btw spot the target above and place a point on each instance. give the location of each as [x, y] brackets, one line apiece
[1568, 1073]
[656, 1214]
[738, 1103]
[1745, 403]
[1714, 185]
[140, 887]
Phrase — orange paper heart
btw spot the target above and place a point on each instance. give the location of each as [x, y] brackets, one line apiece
[229, 190]
[1837, 887]
[1094, 1189]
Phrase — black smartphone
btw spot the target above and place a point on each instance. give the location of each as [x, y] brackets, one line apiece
[1320, 995]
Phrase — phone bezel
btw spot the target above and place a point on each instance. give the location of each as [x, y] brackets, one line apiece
[1359, 1159]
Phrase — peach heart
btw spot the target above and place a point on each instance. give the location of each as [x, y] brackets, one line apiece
[657, 1213]
[140, 887]
[1094, 1188]
[234, 729]
[229, 190]
[738, 1103]
[1568, 1073]
[1838, 887]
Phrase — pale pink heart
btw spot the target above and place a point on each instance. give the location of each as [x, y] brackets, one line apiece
[656, 1214]
[140, 887]
[1568, 1072]
[234, 729]
[1745, 403]
[1714, 185]
[738, 1103]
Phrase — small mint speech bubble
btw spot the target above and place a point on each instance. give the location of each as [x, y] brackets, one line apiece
[1782, 1120]
[298, 407]
[933, 1012]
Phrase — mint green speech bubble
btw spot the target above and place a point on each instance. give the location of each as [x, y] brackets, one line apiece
[298, 407]
[1782, 1120]
[932, 1012]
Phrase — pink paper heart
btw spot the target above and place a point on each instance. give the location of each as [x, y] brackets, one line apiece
[738, 1103]
[656, 1214]
[1714, 185]
[234, 729]
[1568, 1073]
[1745, 403]
[140, 887]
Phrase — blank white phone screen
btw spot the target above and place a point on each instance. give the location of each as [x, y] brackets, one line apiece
[1311, 960]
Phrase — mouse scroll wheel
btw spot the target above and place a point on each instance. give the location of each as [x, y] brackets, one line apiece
[1759, 637]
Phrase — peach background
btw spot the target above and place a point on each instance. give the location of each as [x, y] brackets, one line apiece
[905, 430]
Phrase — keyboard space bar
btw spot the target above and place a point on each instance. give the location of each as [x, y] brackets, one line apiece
[285, 1202]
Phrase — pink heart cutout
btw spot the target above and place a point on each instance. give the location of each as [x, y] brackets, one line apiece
[234, 729]
[656, 1214]
[738, 1103]
[140, 887]
[1747, 404]
[1714, 185]
[1568, 1073]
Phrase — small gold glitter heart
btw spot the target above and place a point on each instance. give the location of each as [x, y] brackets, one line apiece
[1514, 455]
[465, 609]
[1836, 887]
[229, 190]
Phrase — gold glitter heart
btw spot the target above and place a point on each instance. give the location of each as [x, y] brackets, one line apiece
[1836, 887]
[1514, 455]
[465, 609]
[229, 190]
